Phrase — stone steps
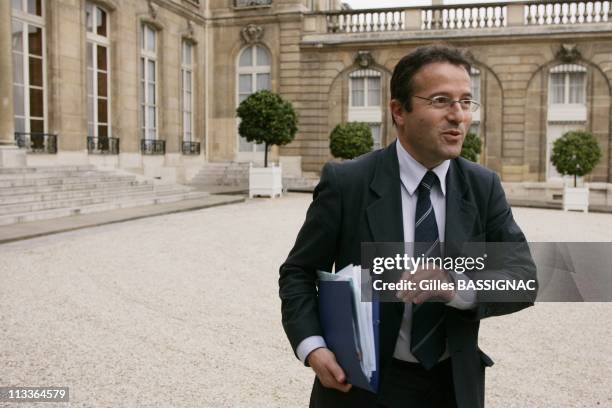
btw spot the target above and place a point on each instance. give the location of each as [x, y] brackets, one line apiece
[103, 197]
[70, 187]
[99, 207]
[73, 179]
[71, 194]
[45, 169]
[222, 174]
[39, 193]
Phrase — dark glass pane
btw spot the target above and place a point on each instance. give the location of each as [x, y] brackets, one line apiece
[35, 40]
[102, 131]
[102, 85]
[17, 4]
[36, 71]
[36, 102]
[101, 57]
[37, 126]
[102, 111]
[35, 7]
[101, 21]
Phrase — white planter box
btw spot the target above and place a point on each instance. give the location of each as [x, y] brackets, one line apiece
[265, 181]
[576, 198]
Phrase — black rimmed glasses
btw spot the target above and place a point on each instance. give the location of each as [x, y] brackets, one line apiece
[444, 102]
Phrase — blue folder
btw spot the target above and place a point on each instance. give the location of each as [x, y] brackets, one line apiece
[337, 316]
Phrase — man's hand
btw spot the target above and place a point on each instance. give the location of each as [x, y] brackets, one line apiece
[324, 364]
[438, 282]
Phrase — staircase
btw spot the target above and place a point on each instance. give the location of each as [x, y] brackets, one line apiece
[306, 183]
[39, 193]
[222, 176]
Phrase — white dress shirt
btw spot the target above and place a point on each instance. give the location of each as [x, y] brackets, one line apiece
[411, 174]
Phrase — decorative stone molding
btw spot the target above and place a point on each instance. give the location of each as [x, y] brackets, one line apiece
[190, 29]
[189, 32]
[364, 59]
[109, 5]
[153, 9]
[251, 34]
[568, 53]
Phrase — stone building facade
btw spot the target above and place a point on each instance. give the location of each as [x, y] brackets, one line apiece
[151, 86]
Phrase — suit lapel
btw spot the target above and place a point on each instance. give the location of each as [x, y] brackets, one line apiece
[385, 212]
[460, 212]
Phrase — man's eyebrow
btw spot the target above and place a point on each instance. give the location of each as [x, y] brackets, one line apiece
[465, 95]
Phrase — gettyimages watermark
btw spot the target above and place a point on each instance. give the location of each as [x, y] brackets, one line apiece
[491, 271]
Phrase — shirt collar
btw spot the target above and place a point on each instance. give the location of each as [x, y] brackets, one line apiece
[412, 172]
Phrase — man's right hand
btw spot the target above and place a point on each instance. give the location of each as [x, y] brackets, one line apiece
[324, 364]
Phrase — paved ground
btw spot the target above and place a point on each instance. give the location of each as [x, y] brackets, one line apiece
[182, 310]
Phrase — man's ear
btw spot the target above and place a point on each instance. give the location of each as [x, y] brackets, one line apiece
[396, 112]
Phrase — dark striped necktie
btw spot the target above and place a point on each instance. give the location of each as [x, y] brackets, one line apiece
[428, 332]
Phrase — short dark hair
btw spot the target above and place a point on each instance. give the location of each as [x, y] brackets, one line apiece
[401, 80]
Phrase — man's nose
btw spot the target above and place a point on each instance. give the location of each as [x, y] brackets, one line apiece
[456, 114]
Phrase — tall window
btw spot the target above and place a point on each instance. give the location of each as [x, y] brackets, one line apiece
[365, 101]
[476, 95]
[29, 66]
[98, 72]
[187, 89]
[568, 85]
[148, 82]
[365, 88]
[253, 75]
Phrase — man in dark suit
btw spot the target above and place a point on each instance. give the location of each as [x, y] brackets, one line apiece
[416, 189]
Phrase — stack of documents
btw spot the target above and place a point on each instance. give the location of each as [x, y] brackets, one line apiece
[350, 326]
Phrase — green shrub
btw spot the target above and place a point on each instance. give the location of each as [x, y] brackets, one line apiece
[472, 147]
[349, 140]
[266, 118]
[576, 153]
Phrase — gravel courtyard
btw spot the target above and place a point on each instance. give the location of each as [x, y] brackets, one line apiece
[183, 311]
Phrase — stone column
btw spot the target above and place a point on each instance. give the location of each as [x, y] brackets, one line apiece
[10, 155]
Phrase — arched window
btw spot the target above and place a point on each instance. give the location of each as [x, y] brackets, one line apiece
[254, 74]
[98, 74]
[365, 100]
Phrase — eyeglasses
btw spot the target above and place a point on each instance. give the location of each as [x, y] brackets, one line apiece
[444, 102]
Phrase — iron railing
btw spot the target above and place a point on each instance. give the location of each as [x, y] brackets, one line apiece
[489, 15]
[190, 148]
[37, 142]
[152, 146]
[102, 145]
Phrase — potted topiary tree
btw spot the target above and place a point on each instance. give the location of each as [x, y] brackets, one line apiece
[472, 146]
[576, 153]
[349, 140]
[266, 118]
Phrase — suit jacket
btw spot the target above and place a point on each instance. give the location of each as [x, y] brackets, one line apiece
[360, 201]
